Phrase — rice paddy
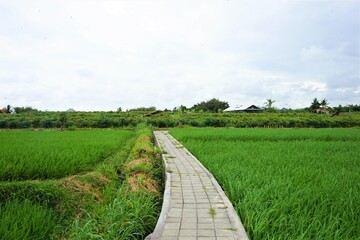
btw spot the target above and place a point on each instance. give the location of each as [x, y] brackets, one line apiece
[285, 183]
[26, 220]
[33, 155]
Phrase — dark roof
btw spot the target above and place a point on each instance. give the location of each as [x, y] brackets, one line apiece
[153, 113]
[253, 108]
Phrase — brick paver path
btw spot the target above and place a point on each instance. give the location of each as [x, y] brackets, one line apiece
[195, 206]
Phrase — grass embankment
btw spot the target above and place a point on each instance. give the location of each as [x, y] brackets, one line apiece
[98, 202]
[286, 183]
[133, 211]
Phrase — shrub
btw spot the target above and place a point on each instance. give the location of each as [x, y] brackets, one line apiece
[23, 124]
[47, 123]
[12, 124]
[3, 124]
[103, 122]
[36, 123]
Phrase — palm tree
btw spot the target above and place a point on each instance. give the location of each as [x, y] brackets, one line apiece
[324, 103]
[269, 103]
[315, 104]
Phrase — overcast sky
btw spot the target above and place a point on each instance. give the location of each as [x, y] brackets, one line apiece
[101, 55]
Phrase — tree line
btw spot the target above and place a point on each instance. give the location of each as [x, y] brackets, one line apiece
[214, 105]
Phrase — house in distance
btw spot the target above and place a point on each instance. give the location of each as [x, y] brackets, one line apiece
[250, 109]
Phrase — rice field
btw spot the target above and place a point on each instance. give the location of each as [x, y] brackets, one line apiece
[55, 154]
[80, 189]
[285, 183]
[26, 220]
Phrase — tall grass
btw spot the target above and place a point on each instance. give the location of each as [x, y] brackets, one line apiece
[131, 215]
[286, 183]
[55, 154]
[26, 220]
[132, 211]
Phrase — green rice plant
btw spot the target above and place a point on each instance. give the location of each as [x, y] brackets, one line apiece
[133, 210]
[131, 215]
[26, 220]
[55, 154]
[285, 183]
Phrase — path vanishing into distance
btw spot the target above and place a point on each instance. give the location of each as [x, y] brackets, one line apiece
[195, 206]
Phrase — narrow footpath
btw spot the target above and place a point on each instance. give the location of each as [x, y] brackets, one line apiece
[195, 206]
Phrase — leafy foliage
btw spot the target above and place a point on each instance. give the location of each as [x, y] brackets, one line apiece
[214, 105]
[25, 109]
[349, 117]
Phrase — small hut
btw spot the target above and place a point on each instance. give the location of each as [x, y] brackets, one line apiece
[321, 111]
[252, 109]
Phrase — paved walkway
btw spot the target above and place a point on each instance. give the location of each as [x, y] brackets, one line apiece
[195, 206]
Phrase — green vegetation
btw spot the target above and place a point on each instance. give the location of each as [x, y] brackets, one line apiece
[25, 220]
[285, 183]
[38, 119]
[213, 105]
[107, 183]
[212, 212]
[133, 212]
[54, 154]
[181, 117]
[255, 120]
[102, 198]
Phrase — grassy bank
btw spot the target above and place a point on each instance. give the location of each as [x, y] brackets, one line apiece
[134, 207]
[97, 202]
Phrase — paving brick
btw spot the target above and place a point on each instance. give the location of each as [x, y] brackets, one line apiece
[187, 238]
[189, 215]
[206, 226]
[189, 225]
[169, 238]
[206, 233]
[175, 226]
[170, 233]
[188, 233]
[173, 220]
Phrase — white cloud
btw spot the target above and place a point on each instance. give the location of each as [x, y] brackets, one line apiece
[312, 53]
[99, 55]
[357, 90]
[314, 86]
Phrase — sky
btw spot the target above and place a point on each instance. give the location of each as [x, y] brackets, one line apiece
[102, 55]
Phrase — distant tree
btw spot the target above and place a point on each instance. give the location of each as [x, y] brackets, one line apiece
[324, 103]
[142, 109]
[213, 105]
[182, 108]
[25, 109]
[63, 120]
[119, 109]
[355, 108]
[269, 104]
[348, 108]
[338, 108]
[315, 104]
